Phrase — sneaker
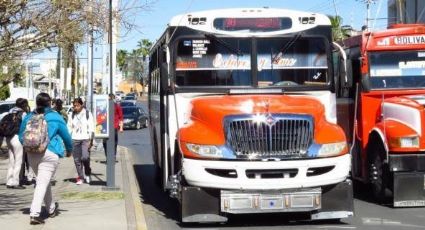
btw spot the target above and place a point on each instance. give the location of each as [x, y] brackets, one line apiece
[79, 181]
[15, 187]
[87, 179]
[55, 211]
[36, 220]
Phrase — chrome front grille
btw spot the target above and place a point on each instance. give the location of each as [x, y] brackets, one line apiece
[270, 136]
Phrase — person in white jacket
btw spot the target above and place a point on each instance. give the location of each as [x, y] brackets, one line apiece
[81, 126]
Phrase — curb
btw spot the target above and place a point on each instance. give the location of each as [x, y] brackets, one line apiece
[134, 191]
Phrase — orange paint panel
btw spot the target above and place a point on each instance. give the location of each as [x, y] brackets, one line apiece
[196, 132]
[208, 113]
[329, 133]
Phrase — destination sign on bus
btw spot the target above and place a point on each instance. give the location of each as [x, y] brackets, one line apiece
[252, 24]
[409, 40]
[402, 40]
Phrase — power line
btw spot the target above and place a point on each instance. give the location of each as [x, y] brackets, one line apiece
[368, 3]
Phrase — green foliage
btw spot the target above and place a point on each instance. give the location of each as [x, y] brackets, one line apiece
[338, 33]
[121, 59]
[4, 92]
[131, 64]
[144, 46]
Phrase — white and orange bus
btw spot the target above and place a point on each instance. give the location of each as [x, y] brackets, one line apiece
[243, 115]
[388, 146]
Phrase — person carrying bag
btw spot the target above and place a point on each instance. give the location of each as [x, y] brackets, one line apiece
[41, 134]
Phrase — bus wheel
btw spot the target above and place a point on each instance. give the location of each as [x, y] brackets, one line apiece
[379, 174]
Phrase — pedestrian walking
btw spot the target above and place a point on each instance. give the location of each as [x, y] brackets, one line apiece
[118, 123]
[9, 128]
[58, 106]
[42, 133]
[81, 126]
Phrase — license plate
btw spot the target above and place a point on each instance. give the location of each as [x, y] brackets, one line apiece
[271, 202]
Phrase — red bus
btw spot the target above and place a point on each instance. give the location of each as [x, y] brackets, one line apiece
[381, 107]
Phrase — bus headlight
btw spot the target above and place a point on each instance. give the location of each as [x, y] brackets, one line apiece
[205, 150]
[332, 149]
[404, 142]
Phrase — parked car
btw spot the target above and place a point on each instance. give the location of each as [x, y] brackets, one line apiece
[134, 117]
[128, 98]
[5, 106]
[128, 103]
[119, 93]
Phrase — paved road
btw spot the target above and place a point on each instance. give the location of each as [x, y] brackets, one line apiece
[161, 213]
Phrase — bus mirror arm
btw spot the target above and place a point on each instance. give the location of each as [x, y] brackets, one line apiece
[366, 83]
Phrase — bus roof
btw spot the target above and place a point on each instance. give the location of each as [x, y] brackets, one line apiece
[298, 18]
[397, 37]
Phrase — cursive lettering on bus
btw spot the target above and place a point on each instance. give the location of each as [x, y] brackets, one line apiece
[231, 61]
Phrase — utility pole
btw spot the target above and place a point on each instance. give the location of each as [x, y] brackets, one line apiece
[367, 21]
[110, 155]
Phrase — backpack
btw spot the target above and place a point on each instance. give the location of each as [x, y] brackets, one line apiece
[10, 124]
[36, 138]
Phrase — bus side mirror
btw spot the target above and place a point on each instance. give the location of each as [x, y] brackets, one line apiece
[366, 83]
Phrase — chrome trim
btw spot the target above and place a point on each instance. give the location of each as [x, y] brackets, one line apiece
[276, 135]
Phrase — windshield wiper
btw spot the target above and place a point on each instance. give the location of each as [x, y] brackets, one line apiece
[224, 44]
[285, 47]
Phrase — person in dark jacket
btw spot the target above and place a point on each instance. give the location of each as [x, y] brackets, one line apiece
[16, 153]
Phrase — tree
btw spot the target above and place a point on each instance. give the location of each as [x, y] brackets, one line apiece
[28, 26]
[133, 64]
[338, 32]
[144, 46]
[121, 59]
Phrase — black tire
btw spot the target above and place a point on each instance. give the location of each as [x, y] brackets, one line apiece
[379, 174]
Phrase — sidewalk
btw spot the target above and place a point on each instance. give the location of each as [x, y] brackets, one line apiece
[81, 206]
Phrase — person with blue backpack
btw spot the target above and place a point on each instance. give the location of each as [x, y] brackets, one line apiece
[41, 134]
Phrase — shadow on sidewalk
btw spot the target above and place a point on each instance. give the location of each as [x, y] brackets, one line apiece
[10, 202]
[151, 193]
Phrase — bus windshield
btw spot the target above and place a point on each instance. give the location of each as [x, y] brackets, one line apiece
[397, 69]
[292, 61]
[281, 62]
[213, 62]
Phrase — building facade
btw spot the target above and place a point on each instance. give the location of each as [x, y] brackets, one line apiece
[406, 11]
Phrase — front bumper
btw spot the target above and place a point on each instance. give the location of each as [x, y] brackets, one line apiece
[408, 179]
[407, 162]
[212, 205]
[266, 175]
[129, 124]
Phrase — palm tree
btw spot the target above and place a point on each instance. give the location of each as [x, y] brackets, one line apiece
[338, 32]
[121, 59]
[144, 46]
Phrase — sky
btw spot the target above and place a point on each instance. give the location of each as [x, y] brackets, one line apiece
[152, 22]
